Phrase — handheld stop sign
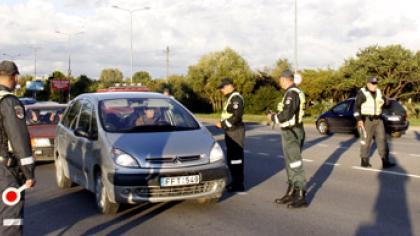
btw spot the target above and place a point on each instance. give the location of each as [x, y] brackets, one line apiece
[11, 196]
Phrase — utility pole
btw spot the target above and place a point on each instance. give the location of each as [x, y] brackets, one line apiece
[296, 36]
[35, 55]
[167, 62]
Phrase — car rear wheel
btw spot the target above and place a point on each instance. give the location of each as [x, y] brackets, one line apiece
[62, 180]
[104, 205]
[322, 127]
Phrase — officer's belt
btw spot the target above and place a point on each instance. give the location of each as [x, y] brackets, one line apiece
[372, 117]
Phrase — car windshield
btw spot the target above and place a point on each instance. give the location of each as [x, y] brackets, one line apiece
[44, 116]
[144, 115]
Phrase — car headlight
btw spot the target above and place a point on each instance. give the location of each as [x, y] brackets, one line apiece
[123, 159]
[216, 153]
[40, 142]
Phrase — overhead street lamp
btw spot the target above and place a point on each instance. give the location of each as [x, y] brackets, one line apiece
[12, 57]
[131, 11]
[69, 35]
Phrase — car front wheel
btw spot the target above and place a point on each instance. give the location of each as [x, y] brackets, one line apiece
[62, 181]
[104, 205]
[322, 127]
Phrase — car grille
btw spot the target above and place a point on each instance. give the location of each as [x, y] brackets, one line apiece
[173, 160]
[156, 192]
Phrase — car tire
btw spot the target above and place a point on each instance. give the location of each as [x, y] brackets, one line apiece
[62, 180]
[104, 205]
[396, 134]
[322, 127]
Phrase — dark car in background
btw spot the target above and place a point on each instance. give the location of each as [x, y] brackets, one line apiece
[42, 120]
[340, 118]
[27, 101]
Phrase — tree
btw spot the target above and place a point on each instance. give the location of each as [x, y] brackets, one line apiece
[281, 65]
[142, 77]
[212, 68]
[397, 69]
[109, 77]
[81, 85]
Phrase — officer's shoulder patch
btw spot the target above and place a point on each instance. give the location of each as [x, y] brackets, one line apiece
[20, 113]
[235, 105]
[288, 100]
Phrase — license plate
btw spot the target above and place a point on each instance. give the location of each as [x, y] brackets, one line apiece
[179, 180]
[394, 118]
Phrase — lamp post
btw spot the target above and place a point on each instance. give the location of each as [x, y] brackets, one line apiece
[131, 11]
[69, 35]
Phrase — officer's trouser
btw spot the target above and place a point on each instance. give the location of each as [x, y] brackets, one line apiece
[292, 140]
[235, 154]
[375, 128]
[11, 217]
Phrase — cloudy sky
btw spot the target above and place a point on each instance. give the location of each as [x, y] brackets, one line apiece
[261, 31]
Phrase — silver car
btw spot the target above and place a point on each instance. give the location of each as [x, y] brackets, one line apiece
[137, 147]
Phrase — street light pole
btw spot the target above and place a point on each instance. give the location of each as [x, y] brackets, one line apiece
[296, 36]
[35, 54]
[131, 11]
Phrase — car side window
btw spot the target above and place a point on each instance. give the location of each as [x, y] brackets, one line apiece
[94, 126]
[70, 118]
[85, 116]
[341, 108]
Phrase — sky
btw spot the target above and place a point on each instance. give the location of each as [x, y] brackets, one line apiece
[329, 31]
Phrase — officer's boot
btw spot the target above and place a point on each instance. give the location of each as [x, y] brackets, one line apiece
[288, 197]
[386, 163]
[365, 163]
[299, 200]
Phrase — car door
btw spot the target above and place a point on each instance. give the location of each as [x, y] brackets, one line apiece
[341, 119]
[66, 138]
[84, 143]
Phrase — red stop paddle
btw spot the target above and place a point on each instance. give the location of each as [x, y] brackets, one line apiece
[11, 196]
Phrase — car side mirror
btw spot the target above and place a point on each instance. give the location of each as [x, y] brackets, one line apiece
[80, 132]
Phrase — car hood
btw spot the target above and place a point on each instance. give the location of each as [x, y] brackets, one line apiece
[42, 131]
[158, 145]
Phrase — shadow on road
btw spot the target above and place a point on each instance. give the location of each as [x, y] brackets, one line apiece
[392, 216]
[324, 172]
[417, 135]
[132, 217]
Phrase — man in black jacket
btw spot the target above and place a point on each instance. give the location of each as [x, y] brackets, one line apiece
[231, 122]
[16, 161]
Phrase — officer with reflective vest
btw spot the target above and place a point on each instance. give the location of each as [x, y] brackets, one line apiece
[231, 122]
[290, 118]
[16, 161]
[368, 111]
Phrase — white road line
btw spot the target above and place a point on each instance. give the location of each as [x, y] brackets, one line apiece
[272, 140]
[280, 156]
[308, 160]
[414, 155]
[252, 137]
[247, 151]
[393, 153]
[332, 164]
[385, 171]
[263, 154]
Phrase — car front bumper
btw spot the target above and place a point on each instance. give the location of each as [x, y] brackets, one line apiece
[43, 154]
[145, 185]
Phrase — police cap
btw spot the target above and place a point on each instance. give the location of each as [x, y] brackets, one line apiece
[8, 68]
[287, 74]
[225, 81]
[372, 80]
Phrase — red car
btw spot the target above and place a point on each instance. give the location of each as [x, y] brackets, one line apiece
[42, 119]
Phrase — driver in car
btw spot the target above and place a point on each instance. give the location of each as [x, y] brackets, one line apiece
[149, 117]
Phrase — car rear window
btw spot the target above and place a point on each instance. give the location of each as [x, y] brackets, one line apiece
[144, 115]
[44, 116]
[394, 107]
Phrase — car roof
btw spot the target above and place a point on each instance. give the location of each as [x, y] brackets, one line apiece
[47, 105]
[117, 95]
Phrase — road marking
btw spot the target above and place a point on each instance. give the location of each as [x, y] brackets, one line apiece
[308, 160]
[393, 153]
[280, 156]
[385, 171]
[331, 164]
[257, 138]
[272, 140]
[414, 155]
[263, 154]
[247, 151]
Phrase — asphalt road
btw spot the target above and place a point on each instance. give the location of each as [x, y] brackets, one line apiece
[344, 199]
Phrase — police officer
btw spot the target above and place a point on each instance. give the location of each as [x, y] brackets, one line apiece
[289, 117]
[231, 122]
[16, 162]
[368, 111]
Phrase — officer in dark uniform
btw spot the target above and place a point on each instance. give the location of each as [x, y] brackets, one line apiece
[231, 122]
[290, 117]
[368, 111]
[16, 161]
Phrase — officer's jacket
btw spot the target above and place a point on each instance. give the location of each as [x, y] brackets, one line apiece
[368, 103]
[233, 111]
[14, 135]
[291, 109]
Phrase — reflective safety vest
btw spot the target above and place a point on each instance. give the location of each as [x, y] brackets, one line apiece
[372, 106]
[4, 93]
[225, 114]
[292, 121]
